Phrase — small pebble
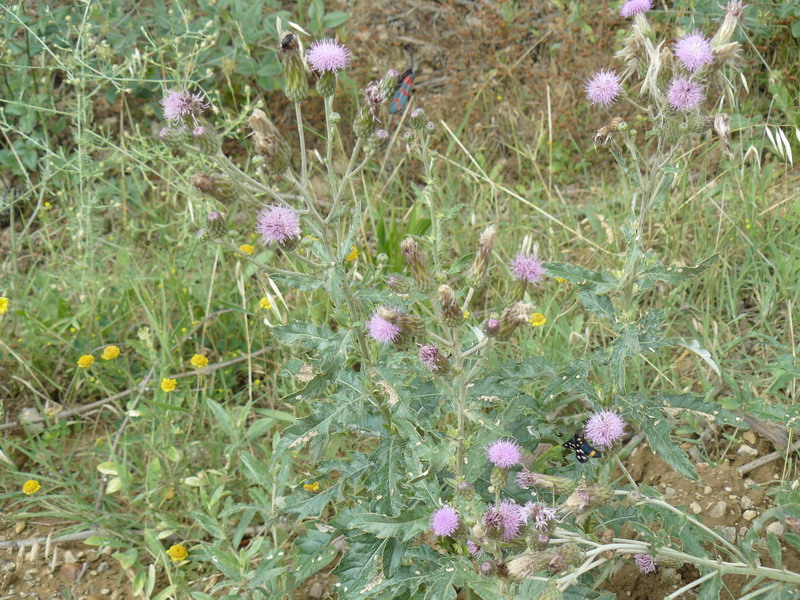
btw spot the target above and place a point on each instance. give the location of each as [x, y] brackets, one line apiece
[775, 528]
[19, 526]
[749, 437]
[669, 492]
[719, 510]
[102, 568]
[746, 503]
[707, 490]
[695, 508]
[746, 450]
[316, 590]
[749, 515]
[729, 533]
[69, 557]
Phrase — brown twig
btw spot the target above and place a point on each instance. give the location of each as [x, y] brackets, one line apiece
[759, 462]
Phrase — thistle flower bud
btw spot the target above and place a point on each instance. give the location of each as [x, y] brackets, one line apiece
[476, 278]
[527, 564]
[217, 185]
[216, 225]
[269, 143]
[294, 68]
[488, 568]
[465, 490]
[419, 271]
[433, 359]
[175, 137]
[453, 315]
[633, 55]
[561, 485]
[377, 141]
[206, 140]
[202, 235]
[538, 541]
[585, 499]
[326, 84]
[514, 316]
[726, 54]
[669, 562]
[390, 82]
[364, 123]
[374, 96]
[734, 14]
[492, 327]
[418, 119]
[398, 284]
[409, 325]
[606, 133]
[499, 478]
[566, 556]
[430, 127]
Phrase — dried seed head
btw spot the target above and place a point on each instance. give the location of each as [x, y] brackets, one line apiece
[419, 271]
[729, 54]
[514, 316]
[451, 311]
[217, 185]
[527, 564]
[606, 133]
[477, 276]
[734, 14]
[585, 499]
[410, 325]
[206, 140]
[294, 68]
[433, 359]
[269, 143]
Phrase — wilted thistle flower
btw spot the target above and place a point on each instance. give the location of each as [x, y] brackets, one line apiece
[606, 133]
[645, 562]
[473, 549]
[377, 140]
[526, 269]
[504, 453]
[178, 106]
[527, 564]
[216, 225]
[694, 51]
[543, 517]
[433, 359]
[476, 278]
[504, 520]
[381, 330]
[418, 119]
[491, 327]
[635, 7]
[326, 58]
[603, 87]
[564, 557]
[488, 568]
[512, 317]
[451, 311]
[585, 499]
[279, 225]
[734, 13]
[561, 485]
[445, 521]
[419, 271]
[684, 94]
[294, 69]
[217, 185]
[269, 143]
[604, 428]
[374, 96]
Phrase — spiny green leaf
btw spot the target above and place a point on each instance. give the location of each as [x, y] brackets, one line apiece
[405, 527]
[593, 281]
[657, 431]
[672, 274]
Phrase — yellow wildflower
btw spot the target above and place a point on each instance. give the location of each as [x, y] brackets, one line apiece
[311, 487]
[177, 552]
[168, 385]
[353, 254]
[199, 361]
[86, 361]
[467, 314]
[110, 352]
[3, 305]
[246, 249]
[560, 280]
[265, 304]
[537, 319]
[30, 487]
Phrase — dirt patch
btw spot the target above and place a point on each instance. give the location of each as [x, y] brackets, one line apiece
[721, 498]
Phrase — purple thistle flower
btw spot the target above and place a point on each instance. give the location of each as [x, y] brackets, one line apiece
[635, 7]
[694, 51]
[684, 94]
[492, 519]
[393, 73]
[504, 453]
[444, 521]
[382, 330]
[430, 356]
[473, 549]
[375, 95]
[512, 518]
[328, 56]
[604, 428]
[540, 515]
[278, 225]
[381, 134]
[527, 268]
[603, 87]
[645, 562]
[526, 479]
[179, 105]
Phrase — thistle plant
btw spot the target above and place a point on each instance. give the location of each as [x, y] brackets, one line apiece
[441, 489]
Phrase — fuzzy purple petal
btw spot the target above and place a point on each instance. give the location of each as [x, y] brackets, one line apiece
[445, 521]
[684, 94]
[603, 87]
[504, 453]
[381, 330]
[604, 428]
[328, 56]
[694, 51]
[278, 224]
[635, 7]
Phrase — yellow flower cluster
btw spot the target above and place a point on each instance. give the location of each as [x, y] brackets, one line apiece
[3, 305]
[110, 352]
[311, 487]
[199, 361]
[168, 385]
[177, 552]
[86, 361]
[30, 487]
[246, 249]
[265, 304]
[353, 254]
[537, 319]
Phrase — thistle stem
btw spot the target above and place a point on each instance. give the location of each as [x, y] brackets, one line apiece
[301, 134]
